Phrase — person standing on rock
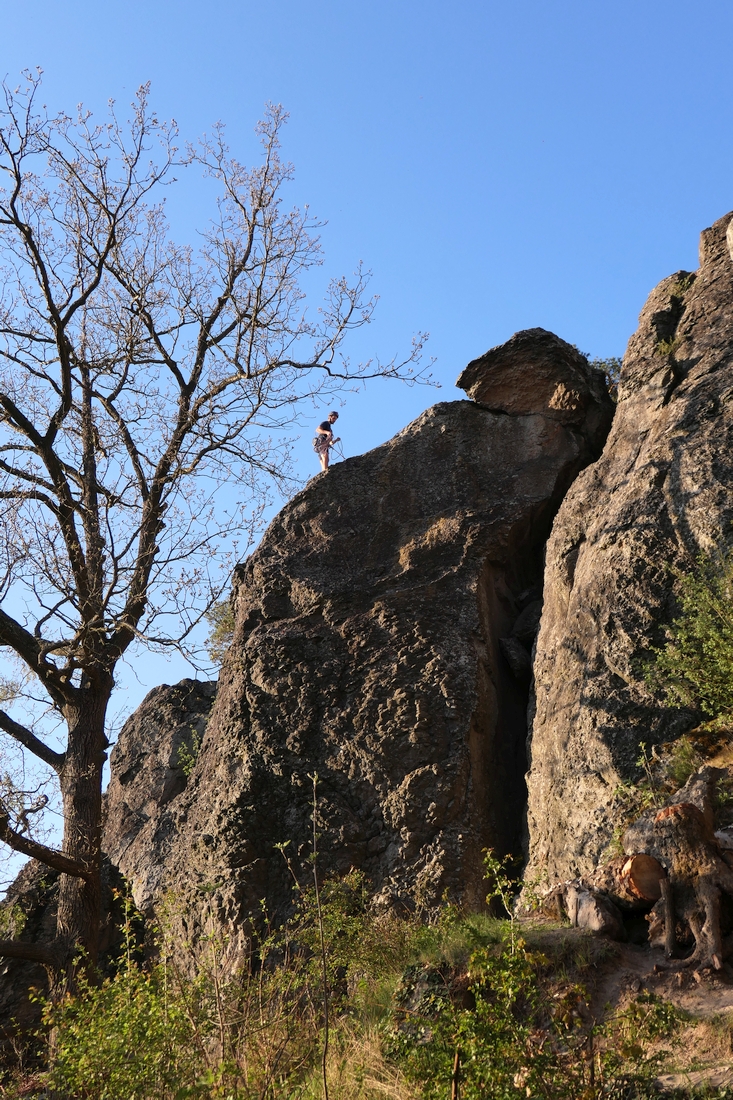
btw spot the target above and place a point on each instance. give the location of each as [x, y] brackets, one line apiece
[324, 439]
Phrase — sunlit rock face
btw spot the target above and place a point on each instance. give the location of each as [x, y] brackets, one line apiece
[661, 493]
[380, 628]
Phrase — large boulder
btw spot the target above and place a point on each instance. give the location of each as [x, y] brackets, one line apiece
[661, 493]
[367, 652]
[150, 765]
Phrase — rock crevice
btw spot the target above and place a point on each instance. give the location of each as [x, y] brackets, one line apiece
[371, 647]
[661, 493]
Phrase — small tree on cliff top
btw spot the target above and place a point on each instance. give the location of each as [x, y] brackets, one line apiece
[136, 376]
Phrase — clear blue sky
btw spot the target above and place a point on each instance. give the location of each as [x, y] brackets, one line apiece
[497, 165]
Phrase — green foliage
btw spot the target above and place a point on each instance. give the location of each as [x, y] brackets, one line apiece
[502, 1031]
[505, 1035]
[126, 1038]
[182, 1028]
[220, 618]
[414, 1010]
[611, 368]
[359, 945]
[683, 284]
[188, 754]
[12, 920]
[695, 668]
[683, 760]
[667, 347]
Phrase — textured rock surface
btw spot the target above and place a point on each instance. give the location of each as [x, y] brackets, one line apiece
[661, 492]
[28, 913]
[557, 383]
[155, 750]
[367, 650]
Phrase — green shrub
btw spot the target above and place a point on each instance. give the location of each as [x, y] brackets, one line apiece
[220, 618]
[611, 368]
[499, 1029]
[695, 668]
[128, 1038]
[188, 754]
[414, 1010]
[667, 347]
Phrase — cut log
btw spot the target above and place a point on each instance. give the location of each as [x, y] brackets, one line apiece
[642, 876]
[631, 881]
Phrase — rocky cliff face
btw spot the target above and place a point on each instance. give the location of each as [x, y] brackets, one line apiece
[150, 764]
[661, 493]
[382, 640]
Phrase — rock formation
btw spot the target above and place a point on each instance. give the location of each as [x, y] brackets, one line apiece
[661, 493]
[150, 764]
[382, 641]
[28, 914]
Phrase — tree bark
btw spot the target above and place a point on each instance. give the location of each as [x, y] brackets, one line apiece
[670, 939]
[79, 906]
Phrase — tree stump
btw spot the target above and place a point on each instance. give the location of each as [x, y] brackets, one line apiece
[681, 838]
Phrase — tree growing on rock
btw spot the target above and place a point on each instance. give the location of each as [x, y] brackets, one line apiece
[136, 377]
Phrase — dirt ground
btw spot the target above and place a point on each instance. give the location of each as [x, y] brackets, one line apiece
[614, 974]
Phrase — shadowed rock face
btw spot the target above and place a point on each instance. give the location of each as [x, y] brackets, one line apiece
[28, 914]
[661, 493]
[367, 650]
[149, 766]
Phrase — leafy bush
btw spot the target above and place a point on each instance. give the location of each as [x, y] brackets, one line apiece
[416, 1011]
[180, 1027]
[126, 1038]
[695, 668]
[501, 1030]
[611, 368]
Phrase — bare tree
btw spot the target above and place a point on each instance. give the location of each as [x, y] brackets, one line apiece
[136, 377]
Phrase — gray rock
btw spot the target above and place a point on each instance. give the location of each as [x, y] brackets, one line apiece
[366, 650]
[517, 656]
[28, 914]
[661, 493]
[593, 912]
[156, 748]
[528, 623]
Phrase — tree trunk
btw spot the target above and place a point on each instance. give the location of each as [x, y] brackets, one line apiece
[79, 907]
[681, 836]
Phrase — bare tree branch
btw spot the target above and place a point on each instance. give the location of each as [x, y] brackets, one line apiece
[31, 952]
[28, 847]
[137, 377]
[29, 741]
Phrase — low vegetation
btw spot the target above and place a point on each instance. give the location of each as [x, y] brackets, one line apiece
[694, 669]
[343, 1002]
[465, 1007]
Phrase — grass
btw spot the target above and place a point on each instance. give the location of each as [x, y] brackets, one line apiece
[507, 1002]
